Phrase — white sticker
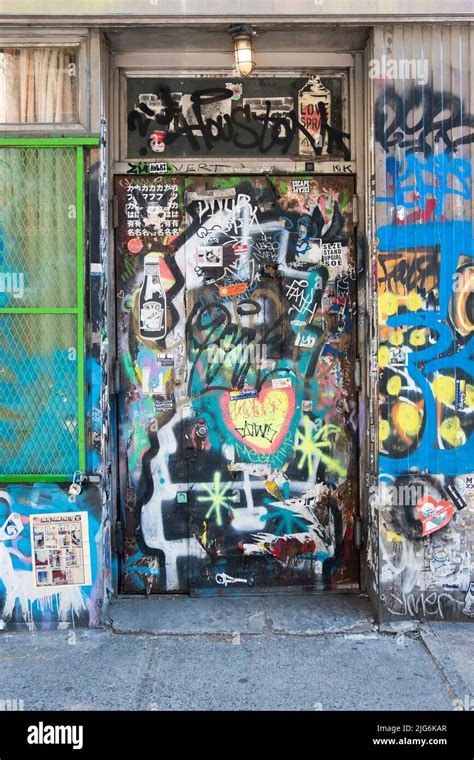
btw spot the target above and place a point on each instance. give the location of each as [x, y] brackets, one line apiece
[165, 360]
[301, 186]
[333, 255]
[281, 382]
[210, 256]
[305, 341]
[399, 356]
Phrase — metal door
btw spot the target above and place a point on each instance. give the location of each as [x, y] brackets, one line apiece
[238, 428]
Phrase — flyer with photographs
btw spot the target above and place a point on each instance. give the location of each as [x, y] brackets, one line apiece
[61, 551]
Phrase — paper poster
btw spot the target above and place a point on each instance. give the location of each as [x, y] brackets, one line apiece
[61, 550]
[152, 209]
[314, 110]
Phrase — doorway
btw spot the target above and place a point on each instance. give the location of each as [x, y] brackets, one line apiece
[236, 319]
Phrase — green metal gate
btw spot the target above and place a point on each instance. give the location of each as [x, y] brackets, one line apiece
[42, 375]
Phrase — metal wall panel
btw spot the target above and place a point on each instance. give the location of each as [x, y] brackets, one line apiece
[243, 10]
[424, 275]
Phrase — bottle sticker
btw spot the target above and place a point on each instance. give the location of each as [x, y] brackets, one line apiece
[152, 316]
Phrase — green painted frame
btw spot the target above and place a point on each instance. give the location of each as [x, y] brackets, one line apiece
[79, 143]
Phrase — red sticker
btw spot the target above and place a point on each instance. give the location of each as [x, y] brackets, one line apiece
[233, 290]
[135, 245]
[433, 514]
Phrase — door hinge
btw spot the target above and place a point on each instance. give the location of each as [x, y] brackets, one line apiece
[358, 532]
[118, 537]
[115, 211]
[357, 374]
[116, 376]
[355, 210]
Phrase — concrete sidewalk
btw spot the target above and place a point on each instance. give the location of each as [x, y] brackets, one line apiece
[260, 653]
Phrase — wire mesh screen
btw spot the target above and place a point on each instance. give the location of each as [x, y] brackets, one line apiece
[41, 410]
[38, 391]
[38, 228]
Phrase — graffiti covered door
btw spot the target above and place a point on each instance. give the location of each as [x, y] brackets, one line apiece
[239, 414]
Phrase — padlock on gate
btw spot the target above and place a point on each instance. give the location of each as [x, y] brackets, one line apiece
[75, 489]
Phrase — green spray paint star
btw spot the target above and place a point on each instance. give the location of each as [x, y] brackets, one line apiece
[218, 499]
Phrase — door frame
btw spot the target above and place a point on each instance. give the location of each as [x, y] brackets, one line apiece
[360, 166]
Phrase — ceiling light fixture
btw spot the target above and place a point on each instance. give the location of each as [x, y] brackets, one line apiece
[244, 54]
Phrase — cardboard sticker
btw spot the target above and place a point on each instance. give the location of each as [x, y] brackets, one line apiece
[157, 140]
[233, 290]
[399, 356]
[434, 515]
[61, 549]
[305, 341]
[236, 90]
[333, 254]
[147, 167]
[300, 186]
[281, 382]
[163, 404]
[135, 245]
[165, 360]
[245, 393]
[155, 167]
[453, 494]
[460, 400]
[210, 256]
[469, 482]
